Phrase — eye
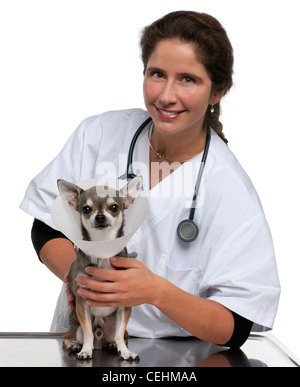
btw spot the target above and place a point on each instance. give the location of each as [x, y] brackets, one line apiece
[114, 208]
[157, 75]
[86, 209]
[188, 80]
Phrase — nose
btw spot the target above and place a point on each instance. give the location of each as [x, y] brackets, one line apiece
[168, 95]
[100, 219]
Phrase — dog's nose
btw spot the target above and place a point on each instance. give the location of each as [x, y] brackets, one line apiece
[100, 219]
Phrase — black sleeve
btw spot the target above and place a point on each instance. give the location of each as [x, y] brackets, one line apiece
[41, 233]
[242, 328]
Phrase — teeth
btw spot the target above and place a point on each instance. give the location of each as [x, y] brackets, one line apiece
[168, 113]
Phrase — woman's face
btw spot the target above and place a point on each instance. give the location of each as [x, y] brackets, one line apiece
[177, 88]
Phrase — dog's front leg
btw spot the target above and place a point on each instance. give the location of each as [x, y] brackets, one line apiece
[122, 318]
[84, 318]
[70, 338]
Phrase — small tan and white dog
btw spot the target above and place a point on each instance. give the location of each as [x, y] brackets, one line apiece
[101, 211]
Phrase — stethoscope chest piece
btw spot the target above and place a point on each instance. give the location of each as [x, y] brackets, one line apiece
[187, 230]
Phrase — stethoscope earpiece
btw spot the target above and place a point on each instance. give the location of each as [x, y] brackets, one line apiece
[187, 230]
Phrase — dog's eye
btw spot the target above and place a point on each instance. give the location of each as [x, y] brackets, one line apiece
[114, 208]
[86, 210]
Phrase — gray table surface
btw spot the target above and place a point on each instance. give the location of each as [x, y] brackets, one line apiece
[45, 350]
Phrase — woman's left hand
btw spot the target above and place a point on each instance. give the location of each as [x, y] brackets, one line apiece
[133, 286]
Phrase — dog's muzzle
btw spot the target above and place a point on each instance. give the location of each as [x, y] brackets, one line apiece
[101, 221]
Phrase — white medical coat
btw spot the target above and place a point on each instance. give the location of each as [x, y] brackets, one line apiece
[232, 260]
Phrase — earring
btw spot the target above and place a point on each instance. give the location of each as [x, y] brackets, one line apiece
[212, 107]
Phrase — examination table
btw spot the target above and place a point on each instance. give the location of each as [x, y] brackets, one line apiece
[45, 350]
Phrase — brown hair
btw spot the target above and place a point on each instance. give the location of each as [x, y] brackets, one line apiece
[212, 45]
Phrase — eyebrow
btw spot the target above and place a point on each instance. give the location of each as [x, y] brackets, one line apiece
[156, 69]
[188, 75]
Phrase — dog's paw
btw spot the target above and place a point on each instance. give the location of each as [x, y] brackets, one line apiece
[127, 355]
[75, 348]
[71, 346]
[84, 355]
[132, 255]
[112, 347]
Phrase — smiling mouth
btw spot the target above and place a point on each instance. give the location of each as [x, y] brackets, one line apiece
[168, 114]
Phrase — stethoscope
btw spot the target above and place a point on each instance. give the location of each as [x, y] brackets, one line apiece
[187, 229]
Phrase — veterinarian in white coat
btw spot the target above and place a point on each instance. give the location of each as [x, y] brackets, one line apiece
[217, 287]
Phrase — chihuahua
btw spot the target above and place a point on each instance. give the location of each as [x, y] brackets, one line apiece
[101, 211]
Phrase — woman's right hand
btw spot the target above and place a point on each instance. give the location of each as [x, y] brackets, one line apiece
[70, 297]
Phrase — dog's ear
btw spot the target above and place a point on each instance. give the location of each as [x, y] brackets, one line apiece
[69, 192]
[131, 190]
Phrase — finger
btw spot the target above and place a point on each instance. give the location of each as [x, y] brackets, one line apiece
[93, 296]
[102, 274]
[95, 285]
[66, 277]
[124, 262]
[71, 305]
[70, 298]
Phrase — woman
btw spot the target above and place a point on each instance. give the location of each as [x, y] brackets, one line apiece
[225, 282]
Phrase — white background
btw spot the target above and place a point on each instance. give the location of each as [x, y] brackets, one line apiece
[64, 60]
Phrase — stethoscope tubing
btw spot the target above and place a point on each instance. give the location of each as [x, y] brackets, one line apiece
[187, 229]
[128, 175]
[199, 177]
